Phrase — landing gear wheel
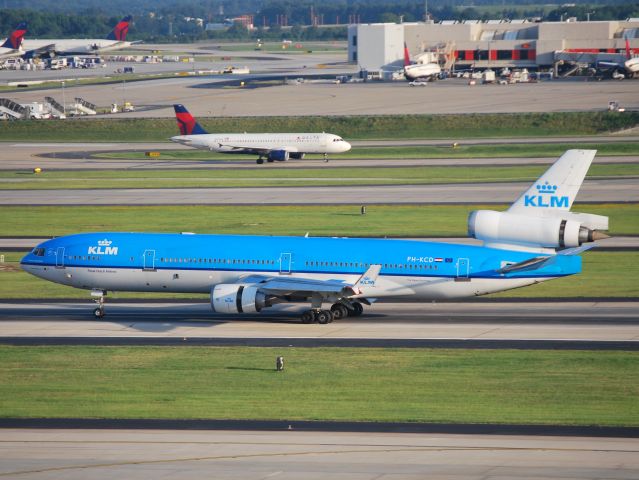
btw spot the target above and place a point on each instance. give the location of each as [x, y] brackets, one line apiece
[260, 161]
[308, 317]
[357, 309]
[98, 312]
[324, 317]
[339, 311]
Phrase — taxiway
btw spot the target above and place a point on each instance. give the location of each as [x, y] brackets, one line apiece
[141, 454]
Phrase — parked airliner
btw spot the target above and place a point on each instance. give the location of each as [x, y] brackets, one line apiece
[419, 70]
[272, 146]
[12, 46]
[115, 40]
[535, 240]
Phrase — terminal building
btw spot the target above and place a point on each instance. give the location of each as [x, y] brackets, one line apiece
[494, 43]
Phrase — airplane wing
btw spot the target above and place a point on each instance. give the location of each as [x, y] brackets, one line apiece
[44, 51]
[283, 286]
[254, 150]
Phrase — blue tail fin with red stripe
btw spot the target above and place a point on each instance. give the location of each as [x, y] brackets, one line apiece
[14, 40]
[120, 30]
[186, 123]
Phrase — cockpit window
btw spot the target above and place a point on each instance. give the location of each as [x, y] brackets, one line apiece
[38, 252]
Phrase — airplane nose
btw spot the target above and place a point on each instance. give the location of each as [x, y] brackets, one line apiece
[347, 147]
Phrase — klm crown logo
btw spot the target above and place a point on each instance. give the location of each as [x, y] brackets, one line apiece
[546, 197]
[104, 248]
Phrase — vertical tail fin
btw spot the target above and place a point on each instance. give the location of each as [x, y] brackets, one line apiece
[557, 188]
[406, 55]
[14, 40]
[186, 123]
[120, 31]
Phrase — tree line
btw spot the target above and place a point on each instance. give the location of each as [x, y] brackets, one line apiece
[274, 19]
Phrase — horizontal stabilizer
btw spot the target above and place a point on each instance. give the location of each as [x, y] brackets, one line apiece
[577, 250]
[530, 264]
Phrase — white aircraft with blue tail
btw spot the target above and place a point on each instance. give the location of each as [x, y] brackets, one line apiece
[535, 240]
[274, 147]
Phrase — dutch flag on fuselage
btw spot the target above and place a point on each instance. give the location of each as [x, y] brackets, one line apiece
[186, 123]
[120, 31]
[14, 40]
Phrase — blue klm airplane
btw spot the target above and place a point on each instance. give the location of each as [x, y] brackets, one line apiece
[535, 240]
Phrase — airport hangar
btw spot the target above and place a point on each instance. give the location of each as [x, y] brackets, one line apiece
[379, 47]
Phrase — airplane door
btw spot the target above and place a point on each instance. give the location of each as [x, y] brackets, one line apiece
[463, 267]
[149, 260]
[285, 264]
[59, 257]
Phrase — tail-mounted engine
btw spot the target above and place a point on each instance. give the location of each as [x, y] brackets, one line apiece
[555, 230]
[234, 298]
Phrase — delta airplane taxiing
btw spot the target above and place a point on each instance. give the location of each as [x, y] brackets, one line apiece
[272, 146]
[115, 40]
[535, 240]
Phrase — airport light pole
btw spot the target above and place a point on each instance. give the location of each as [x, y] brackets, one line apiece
[64, 100]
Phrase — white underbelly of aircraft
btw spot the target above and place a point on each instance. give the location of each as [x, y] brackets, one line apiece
[388, 287]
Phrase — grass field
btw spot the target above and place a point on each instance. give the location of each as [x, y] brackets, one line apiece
[605, 274]
[22, 180]
[520, 150]
[341, 220]
[460, 127]
[411, 385]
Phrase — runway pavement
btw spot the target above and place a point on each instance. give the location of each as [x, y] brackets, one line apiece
[609, 190]
[511, 323]
[140, 454]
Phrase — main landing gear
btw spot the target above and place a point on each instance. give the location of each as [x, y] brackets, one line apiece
[99, 297]
[337, 312]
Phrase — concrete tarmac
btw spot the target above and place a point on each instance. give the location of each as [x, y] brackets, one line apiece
[42, 454]
[608, 190]
[598, 321]
[204, 97]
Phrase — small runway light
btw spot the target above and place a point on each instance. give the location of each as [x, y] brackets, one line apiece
[279, 364]
[37, 170]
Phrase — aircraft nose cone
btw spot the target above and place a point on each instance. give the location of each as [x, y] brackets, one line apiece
[347, 147]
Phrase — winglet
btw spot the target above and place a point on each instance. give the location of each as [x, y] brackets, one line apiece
[368, 279]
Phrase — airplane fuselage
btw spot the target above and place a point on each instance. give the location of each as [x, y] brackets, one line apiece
[410, 270]
[256, 142]
[75, 46]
